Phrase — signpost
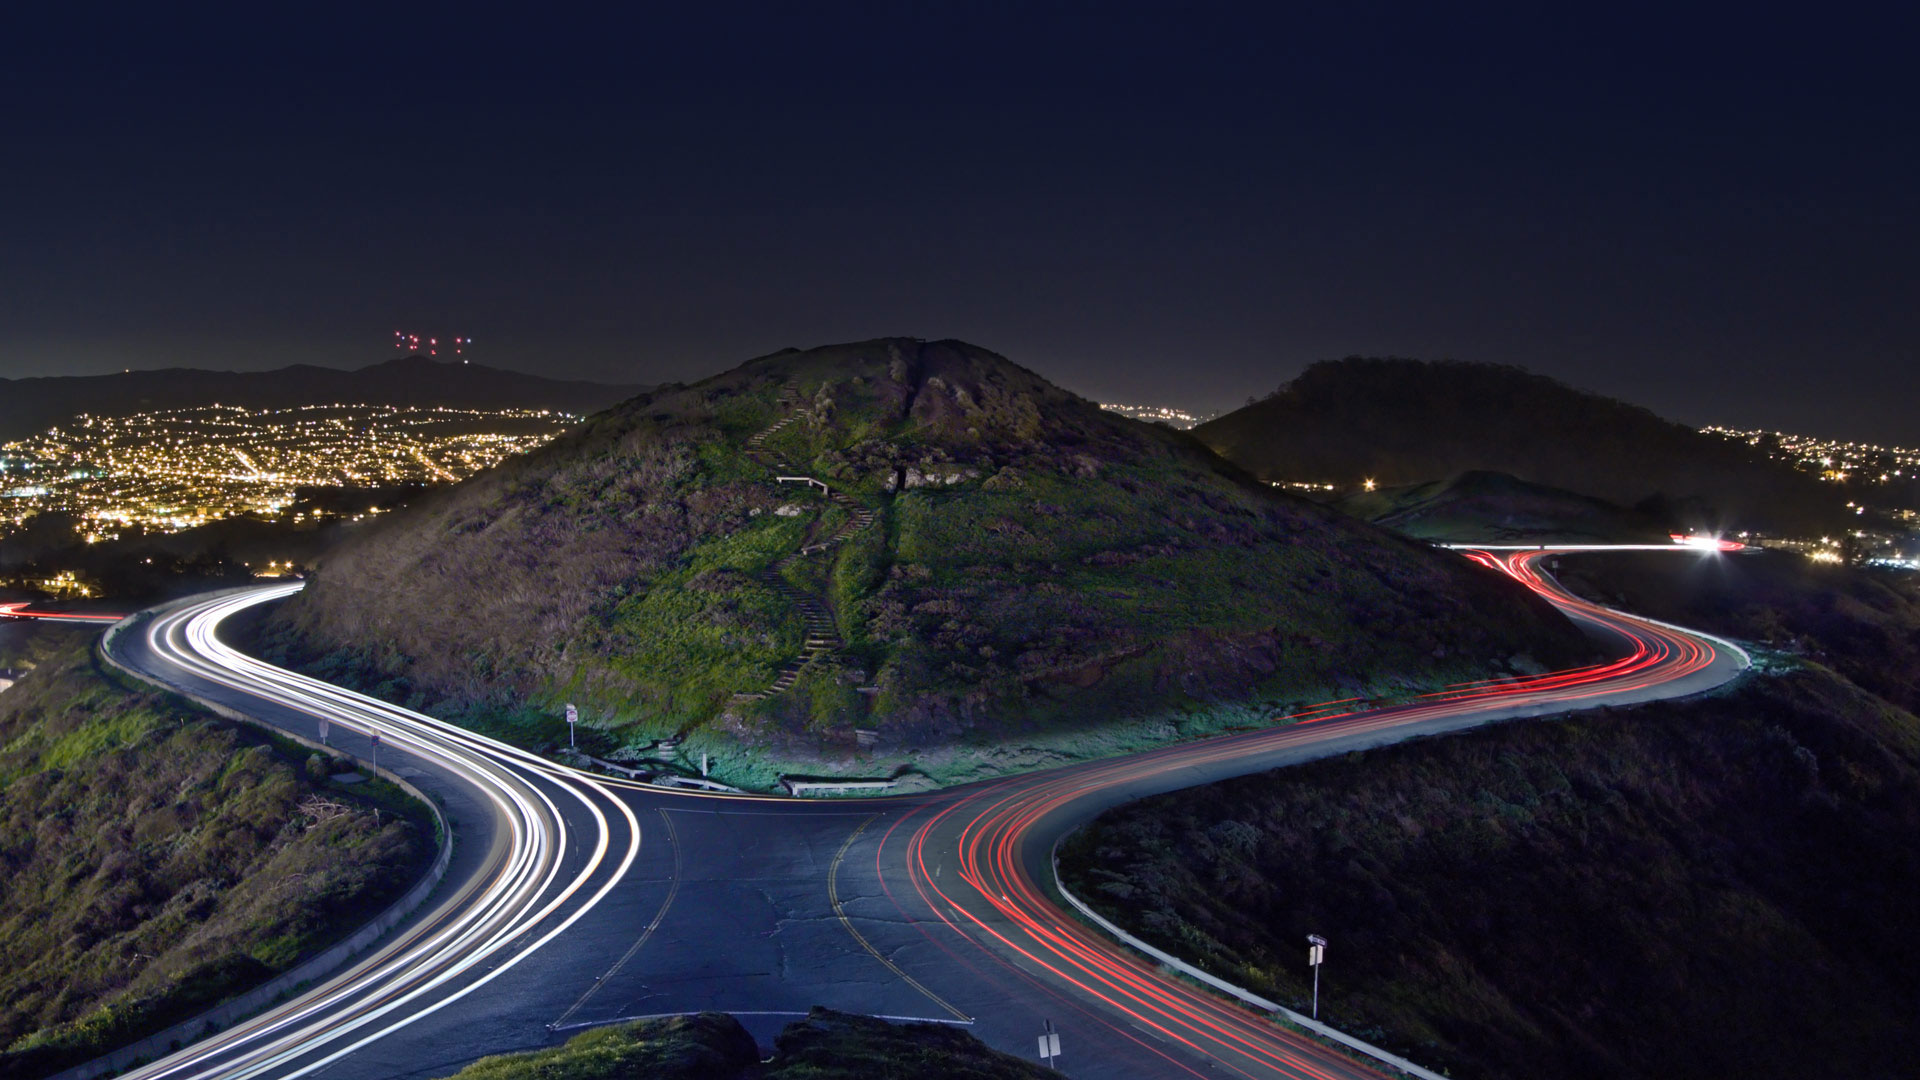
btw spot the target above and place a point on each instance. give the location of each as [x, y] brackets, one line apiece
[376, 753]
[1316, 955]
[323, 731]
[573, 717]
[1050, 1046]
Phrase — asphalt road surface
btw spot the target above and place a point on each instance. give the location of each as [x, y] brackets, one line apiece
[574, 900]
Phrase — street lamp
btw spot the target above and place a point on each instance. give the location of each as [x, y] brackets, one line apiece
[1316, 955]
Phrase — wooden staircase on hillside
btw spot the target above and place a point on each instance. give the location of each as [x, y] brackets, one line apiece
[822, 637]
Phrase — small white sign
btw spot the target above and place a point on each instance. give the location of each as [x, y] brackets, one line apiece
[1050, 1045]
[1316, 954]
[573, 715]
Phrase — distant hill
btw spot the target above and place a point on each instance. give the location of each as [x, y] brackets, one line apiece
[1491, 507]
[1002, 561]
[30, 405]
[1401, 422]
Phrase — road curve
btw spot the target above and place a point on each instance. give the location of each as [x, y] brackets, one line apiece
[979, 864]
[553, 843]
[941, 906]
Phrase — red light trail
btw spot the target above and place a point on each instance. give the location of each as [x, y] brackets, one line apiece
[1001, 898]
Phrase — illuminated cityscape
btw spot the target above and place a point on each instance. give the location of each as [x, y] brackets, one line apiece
[1831, 459]
[1160, 414]
[173, 470]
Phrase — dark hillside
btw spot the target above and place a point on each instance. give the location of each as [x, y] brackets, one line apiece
[1494, 508]
[1708, 888]
[154, 861]
[1403, 422]
[998, 557]
[1865, 624]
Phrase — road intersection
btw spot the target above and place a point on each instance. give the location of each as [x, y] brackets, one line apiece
[574, 900]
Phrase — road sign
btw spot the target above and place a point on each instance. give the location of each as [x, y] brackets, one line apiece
[1050, 1046]
[376, 751]
[323, 731]
[573, 717]
[1316, 955]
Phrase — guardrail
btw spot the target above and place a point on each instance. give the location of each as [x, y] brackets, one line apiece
[1386, 1057]
[835, 787]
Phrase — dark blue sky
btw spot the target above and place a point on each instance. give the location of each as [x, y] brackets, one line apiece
[1712, 214]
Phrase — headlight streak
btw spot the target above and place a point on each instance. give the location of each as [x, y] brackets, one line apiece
[1000, 906]
[480, 924]
[997, 905]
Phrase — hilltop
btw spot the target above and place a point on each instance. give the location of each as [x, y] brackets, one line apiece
[999, 564]
[30, 405]
[1400, 422]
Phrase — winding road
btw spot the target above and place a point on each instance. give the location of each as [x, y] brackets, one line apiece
[573, 900]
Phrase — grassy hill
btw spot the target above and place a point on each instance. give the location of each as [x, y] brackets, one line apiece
[154, 861]
[1001, 563]
[1490, 507]
[1709, 888]
[827, 1045]
[1403, 422]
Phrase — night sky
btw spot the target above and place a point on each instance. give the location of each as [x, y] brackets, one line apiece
[1714, 215]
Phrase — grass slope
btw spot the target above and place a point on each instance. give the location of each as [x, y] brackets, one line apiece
[1865, 624]
[154, 861]
[827, 1045]
[1712, 888]
[1036, 565]
[1494, 508]
[1402, 422]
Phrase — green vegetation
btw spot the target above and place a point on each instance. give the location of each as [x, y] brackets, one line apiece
[827, 1045]
[1037, 569]
[1401, 422]
[154, 861]
[1717, 887]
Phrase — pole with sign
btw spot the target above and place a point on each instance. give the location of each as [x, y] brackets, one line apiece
[573, 717]
[323, 731]
[1316, 955]
[1050, 1047]
[376, 752]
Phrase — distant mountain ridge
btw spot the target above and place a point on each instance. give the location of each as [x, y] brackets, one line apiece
[1398, 421]
[33, 404]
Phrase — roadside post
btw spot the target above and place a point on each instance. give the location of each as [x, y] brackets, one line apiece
[1316, 955]
[1050, 1047]
[323, 731]
[376, 753]
[573, 717]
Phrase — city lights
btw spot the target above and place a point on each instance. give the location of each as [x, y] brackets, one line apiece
[176, 469]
